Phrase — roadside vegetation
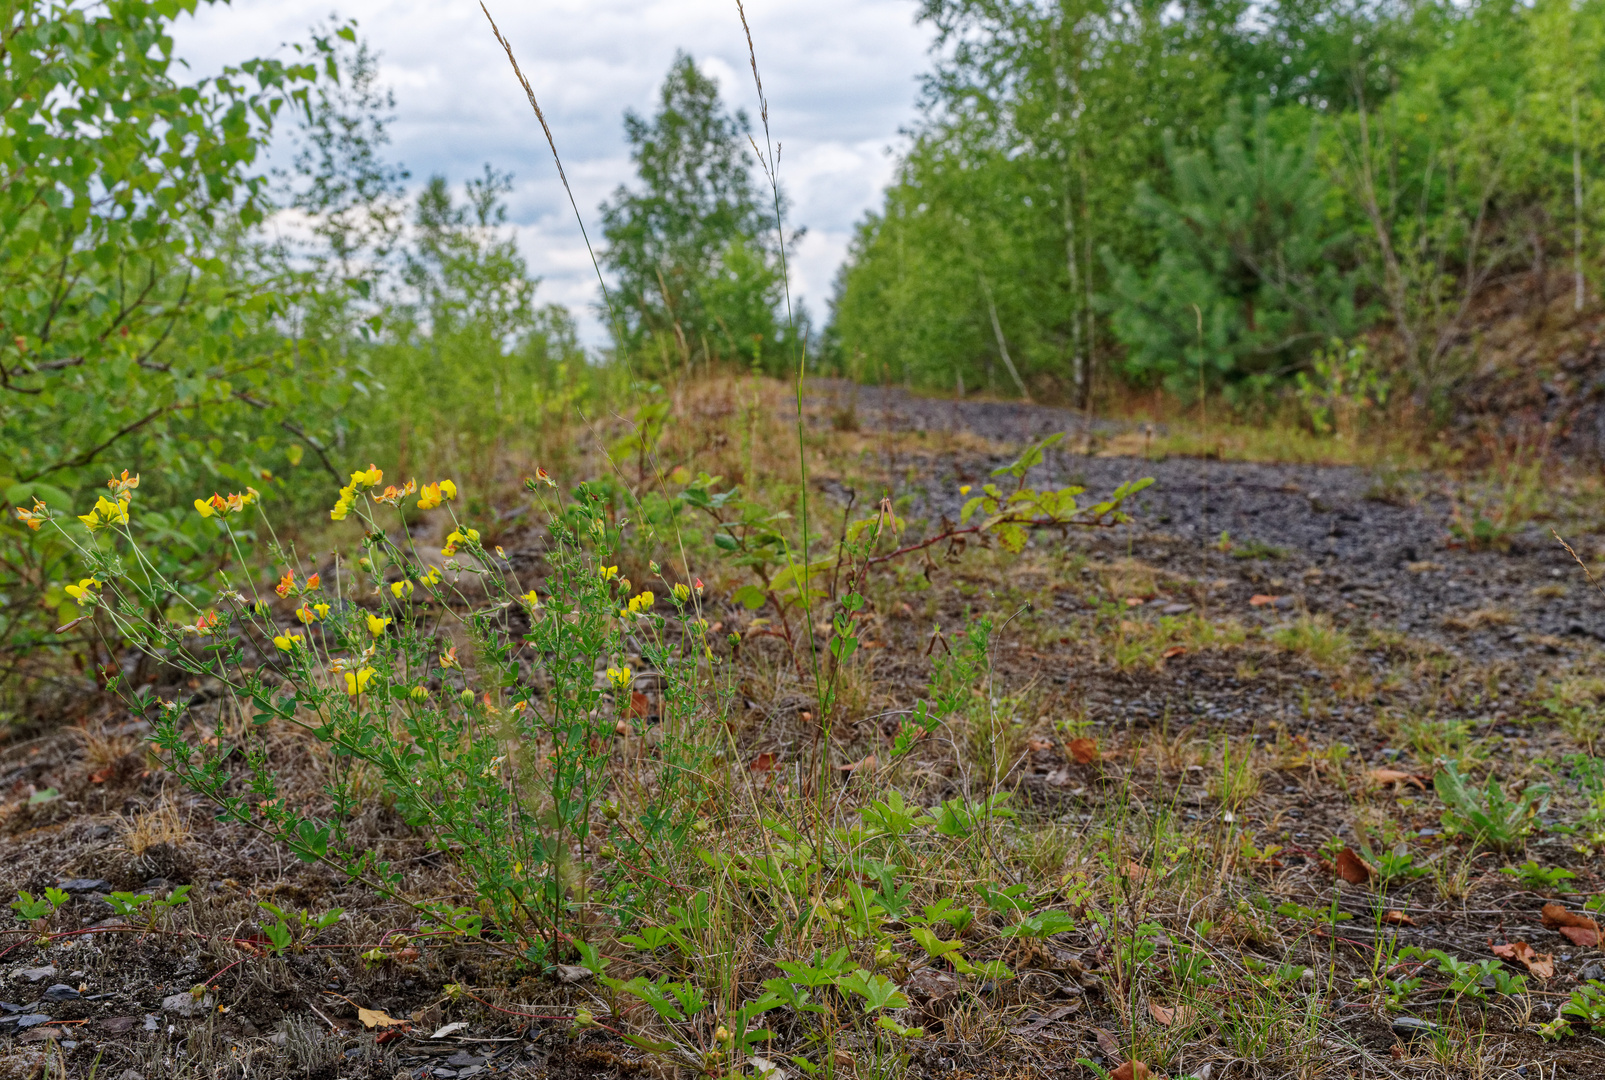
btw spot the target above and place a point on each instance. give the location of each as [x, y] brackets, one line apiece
[393, 687]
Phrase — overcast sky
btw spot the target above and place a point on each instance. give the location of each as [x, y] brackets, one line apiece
[841, 78]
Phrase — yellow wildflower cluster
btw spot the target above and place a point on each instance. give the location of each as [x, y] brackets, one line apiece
[392, 495]
[638, 603]
[376, 625]
[619, 677]
[35, 517]
[224, 504]
[365, 478]
[434, 494]
[288, 642]
[309, 614]
[464, 536]
[401, 589]
[106, 513]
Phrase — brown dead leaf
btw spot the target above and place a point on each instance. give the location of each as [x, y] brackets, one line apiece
[1135, 872]
[764, 762]
[1173, 652]
[102, 775]
[1397, 918]
[372, 1018]
[1261, 599]
[1171, 1015]
[1106, 1042]
[639, 705]
[1580, 930]
[867, 763]
[1351, 868]
[1135, 1070]
[1085, 751]
[1379, 777]
[1581, 936]
[1038, 744]
[1540, 964]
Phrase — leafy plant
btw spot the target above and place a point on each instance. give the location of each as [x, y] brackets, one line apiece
[1587, 1003]
[35, 909]
[1488, 814]
[1538, 878]
[396, 705]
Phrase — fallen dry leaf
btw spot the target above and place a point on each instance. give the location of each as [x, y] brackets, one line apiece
[1380, 777]
[1171, 1015]
[764, 761]
[1351, 868]
[862, 763]
[103, 775]
[1085, 751]
[639, 705]
[1173, 652]
[1038, 744]
[1106, 1042]
[1397, 918]
[1261, 599]
[1578, 929]
[1540, 964]
[1135, 1070]
[372, 1018]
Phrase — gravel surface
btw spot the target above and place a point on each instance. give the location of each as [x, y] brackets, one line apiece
[1334, 538]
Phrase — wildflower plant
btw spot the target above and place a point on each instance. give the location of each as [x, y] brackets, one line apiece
[500, 757]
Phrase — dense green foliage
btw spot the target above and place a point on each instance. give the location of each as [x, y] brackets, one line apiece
[1088, 192]
[692, 247]
[153, 323]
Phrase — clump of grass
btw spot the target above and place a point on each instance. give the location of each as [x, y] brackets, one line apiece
[1317, 639]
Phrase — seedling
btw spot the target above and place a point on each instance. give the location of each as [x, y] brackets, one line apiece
[1488, 815]
[1539, 878]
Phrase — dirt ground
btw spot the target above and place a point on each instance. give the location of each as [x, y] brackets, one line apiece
[1325, 616]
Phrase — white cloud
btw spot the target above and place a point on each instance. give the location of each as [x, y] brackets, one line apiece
[840, 76]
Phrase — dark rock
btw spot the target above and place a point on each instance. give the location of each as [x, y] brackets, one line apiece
[1408, 1027]
[462, 1059]
[61, 992]
[82, 885]
[28, 1020]
[37, 974]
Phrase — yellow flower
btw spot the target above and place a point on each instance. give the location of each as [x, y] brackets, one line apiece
[287, 642]
[342, 506]
[357, 681]
[432, 576]
[682, 593]
[35, 517]
[543, 477]
[466, 536]
[368, 477]
[376, 625]
[642, 602]
[964, 489]
[448, 489]
[306, 615]
[619, 677]
[80, 592]
[448, 659]
[393, 494]
[322, 610]
[608, 572]
[419, 693]
[122, 485]
[401, 588]
[532, 598]
[105, 513]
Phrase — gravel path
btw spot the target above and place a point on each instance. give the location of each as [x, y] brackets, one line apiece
[1332, 538]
